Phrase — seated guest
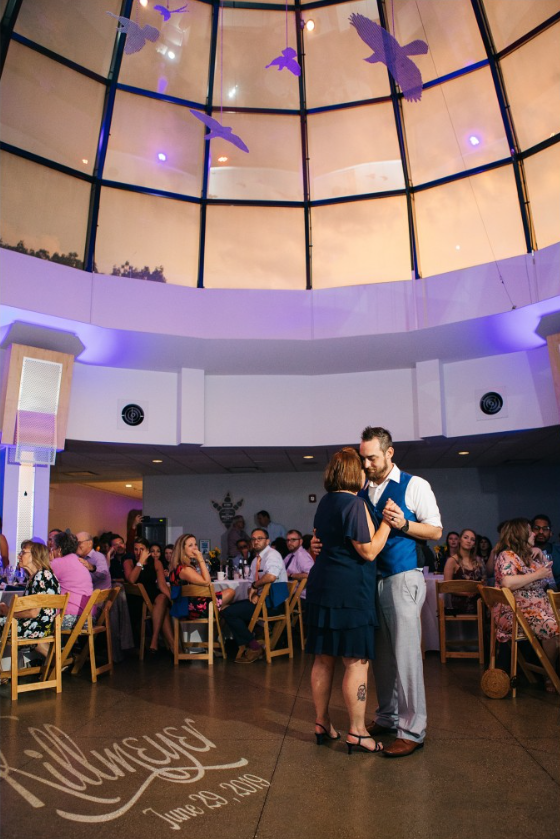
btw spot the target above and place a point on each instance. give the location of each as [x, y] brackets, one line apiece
[188, 566]
[484, 551]
[35, 623]
[103, 543]
[74, 579]
[157, 552]
[234, 534]
[243, 554]
[465, 565]
[542, 529]
[4, 549]
[167, 554]
[94, 561]
[116, 555]
[50, 537]
[267, 567]
[298, 562]
[148, 571]
[522, 570]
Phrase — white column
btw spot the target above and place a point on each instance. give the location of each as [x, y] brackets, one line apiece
[25, 502]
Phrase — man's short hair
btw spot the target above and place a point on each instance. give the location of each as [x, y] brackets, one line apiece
[384, 436]
[241, 542]
[293, 530]
[260, 530]
[542, 517]
[116, 536]
[264, 513]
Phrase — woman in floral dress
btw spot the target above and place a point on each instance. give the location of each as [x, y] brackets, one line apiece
[35, 623]
[522, 569]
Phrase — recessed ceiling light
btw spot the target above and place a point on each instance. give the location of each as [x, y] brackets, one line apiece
[162, 156]
[308, 457]
[232, 92]
[157, 461]
[171, 55]
[85, 161]
[310, 25]
[463, 453]
[457, 247]
[474, 140]
[144, 3]
[222, 159]
[128, 486]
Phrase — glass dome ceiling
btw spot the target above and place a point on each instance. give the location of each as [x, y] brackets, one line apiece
[104, 166]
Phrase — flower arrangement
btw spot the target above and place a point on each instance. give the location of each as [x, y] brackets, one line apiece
[214, 555]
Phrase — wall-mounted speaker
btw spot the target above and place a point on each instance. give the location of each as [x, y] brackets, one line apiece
[491, 404]
[132, 415]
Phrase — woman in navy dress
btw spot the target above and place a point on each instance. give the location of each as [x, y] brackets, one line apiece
[341, 616]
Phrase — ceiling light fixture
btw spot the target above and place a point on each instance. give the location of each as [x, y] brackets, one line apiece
[474, 140]
[128, 486]
[457, 247]
[171, 55]
[157, 461]
[310, 25]
[463, 453]
[223, 159]
[162, 156]
[144, 3]
[308, 457]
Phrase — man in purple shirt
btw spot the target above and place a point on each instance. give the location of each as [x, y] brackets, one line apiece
[94, 561]
[298, 561]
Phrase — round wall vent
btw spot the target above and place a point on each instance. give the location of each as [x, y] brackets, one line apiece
[491, 403]
[132, 415]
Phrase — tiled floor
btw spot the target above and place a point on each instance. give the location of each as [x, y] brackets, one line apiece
[228, 753]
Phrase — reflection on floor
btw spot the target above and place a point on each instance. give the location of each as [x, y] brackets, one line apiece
[227, 752]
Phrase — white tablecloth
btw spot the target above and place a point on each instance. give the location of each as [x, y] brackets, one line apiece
[200, 633]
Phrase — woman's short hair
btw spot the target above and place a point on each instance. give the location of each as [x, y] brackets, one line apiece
[344, 471]
[514, 536]
[66, 543]
[39, 553]
[178, 550]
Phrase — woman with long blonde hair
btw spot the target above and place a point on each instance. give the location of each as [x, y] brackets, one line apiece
[188, 566]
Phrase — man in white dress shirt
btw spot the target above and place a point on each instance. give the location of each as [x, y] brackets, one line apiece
[267, 567]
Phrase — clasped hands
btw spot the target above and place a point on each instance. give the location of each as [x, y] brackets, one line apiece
[393, 515]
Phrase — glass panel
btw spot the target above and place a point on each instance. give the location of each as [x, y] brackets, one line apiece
[335, 70]
[532, 79]
[254, 247]
[469, 222]
[441, 131]
[50, 110]
[449, 29]
[146, 231]
[29, 193]
[177, 63]
[543, 182]
[252, 39]
[362, 242]
[155, 144]
[272, 169]
[510, 21]
[79, 30]
[354, 151]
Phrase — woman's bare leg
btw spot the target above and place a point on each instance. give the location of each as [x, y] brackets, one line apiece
[321, 687]
[159, 614]
[354, 690]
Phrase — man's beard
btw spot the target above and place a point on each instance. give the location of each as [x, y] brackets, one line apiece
[378, 474]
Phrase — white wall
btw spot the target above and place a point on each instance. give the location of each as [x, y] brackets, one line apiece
[468, 497]
[85, 508]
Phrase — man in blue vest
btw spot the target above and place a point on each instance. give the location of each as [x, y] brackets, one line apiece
[398, 667]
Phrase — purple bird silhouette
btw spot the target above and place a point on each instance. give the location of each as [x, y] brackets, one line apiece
[136, 36]
[287, 60]
[219, 130]
[388, 51]
[166, 13]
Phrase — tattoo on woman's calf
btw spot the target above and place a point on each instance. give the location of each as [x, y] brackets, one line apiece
[362, 693]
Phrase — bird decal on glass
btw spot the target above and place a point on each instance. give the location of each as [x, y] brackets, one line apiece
[388, 51]
[136, 35]
[219, 130]
[166, 12]
[287, 60]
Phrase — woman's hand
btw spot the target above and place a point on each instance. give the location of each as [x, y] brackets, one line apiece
[143, 555]
[393, 515]
[199, 557]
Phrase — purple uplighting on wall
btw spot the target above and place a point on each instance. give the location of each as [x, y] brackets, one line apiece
[162, 84]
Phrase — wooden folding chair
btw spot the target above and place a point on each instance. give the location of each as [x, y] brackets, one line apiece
[181, 648]
[521, 631]
[86, 628]
[554, 597]
[10, 636]
[138, 590]
[296, 609]
[458, 587]
[280, 623]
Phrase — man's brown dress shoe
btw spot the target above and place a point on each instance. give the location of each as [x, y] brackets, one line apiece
[249, 656]
[375, 729]
[402, 748]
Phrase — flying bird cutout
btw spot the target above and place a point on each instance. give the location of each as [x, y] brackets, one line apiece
[136, 36]
[287, 60]
[388, 51]
[219, 130]
[166, 13]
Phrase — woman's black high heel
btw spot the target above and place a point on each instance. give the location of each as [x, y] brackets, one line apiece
[325, 733]
[358, 745]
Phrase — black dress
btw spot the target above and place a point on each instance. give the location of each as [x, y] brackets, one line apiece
[341, 616]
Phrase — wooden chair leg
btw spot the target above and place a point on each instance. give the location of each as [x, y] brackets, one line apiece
[58, 657]
[14, 657]
[513, 673]
[480, 625]
[143, 631]
[176, 629]
[289, 634]
[210, 633]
